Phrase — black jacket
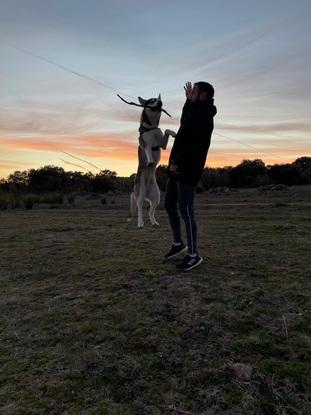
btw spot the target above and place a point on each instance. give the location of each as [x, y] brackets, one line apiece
[192, 141]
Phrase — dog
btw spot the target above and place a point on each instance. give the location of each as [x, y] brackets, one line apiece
[151, 140]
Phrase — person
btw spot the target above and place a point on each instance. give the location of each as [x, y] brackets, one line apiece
[185, 167]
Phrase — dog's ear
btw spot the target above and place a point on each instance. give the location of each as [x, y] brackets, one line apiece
[141, 100]
[159, 97]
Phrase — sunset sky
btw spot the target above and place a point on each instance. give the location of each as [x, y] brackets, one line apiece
[257, 54]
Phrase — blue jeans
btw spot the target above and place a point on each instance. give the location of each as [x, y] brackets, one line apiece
[181, 195]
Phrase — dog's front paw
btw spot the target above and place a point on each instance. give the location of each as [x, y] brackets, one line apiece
[172, 133]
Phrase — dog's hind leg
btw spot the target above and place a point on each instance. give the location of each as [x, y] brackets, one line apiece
[133, 205]
[140, 200]
[140, 222]
[154, 200]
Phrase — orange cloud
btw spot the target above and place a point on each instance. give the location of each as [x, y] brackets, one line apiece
[113, 146]
[119, 149]
[12, 164]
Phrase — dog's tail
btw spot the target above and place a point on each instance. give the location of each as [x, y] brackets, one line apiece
[133, 205]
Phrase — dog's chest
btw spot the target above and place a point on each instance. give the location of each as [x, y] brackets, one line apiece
[149, 119]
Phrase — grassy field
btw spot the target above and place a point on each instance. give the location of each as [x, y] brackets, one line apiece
[94, 322]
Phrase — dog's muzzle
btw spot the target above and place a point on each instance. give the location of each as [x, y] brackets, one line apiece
[158, 108]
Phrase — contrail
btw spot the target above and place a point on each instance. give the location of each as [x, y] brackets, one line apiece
[73, 164]
[89, 78]
[250, 146]
[56, 148]
[78, 158]
[64, 68]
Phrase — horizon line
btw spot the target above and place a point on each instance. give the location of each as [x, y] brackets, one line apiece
[160, 164]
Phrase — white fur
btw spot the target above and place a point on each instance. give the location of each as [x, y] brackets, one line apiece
[146, 186]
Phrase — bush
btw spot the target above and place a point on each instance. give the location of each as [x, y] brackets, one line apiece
[215, 177]
[124, 184]
[70, 199]
[14, 201]
[303, 163]
[288, 174]
[307, 175]
[9, 201]
[47, 178]
[51, 198]
[249, 173]
[28, 203]
[3, 202]
[104, 181]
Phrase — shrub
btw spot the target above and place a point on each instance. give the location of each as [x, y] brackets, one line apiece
[215, 177]
[9, 201]
[71, 199]
[13, 201]
[3, 202]
[28, 203]
[249, 173]
[104, 181]
[51, 198]
[287, 174]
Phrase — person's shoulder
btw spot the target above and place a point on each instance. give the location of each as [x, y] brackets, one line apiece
[207, 108]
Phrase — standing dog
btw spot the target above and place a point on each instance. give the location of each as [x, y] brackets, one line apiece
[151, 140]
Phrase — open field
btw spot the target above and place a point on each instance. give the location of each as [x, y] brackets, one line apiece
[94, 322]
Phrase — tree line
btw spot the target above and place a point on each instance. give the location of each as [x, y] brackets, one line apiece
[249, 173]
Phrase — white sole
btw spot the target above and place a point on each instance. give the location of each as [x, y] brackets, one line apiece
[195, 265]
[178, 253]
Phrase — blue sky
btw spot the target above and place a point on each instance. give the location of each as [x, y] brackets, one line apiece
[256, 54]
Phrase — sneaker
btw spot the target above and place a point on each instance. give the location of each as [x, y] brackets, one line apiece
[189, 262]
[175, 251]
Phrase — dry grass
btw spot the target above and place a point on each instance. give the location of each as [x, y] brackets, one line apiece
[93, 322]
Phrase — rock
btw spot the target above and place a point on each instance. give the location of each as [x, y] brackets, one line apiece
[221, 189]
[242, 371]
[272, 187]
[279, 187]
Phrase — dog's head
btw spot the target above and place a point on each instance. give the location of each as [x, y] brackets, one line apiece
[154, 104]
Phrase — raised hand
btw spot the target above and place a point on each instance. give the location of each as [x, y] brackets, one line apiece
[188, 90]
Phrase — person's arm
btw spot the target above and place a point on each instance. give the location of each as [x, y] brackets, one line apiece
[178, 151]
[187, 106]
[179, 144]
[185, 111]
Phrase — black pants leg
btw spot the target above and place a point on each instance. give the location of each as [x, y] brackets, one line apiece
[181, 195]
[170, 204]
[186, 198]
